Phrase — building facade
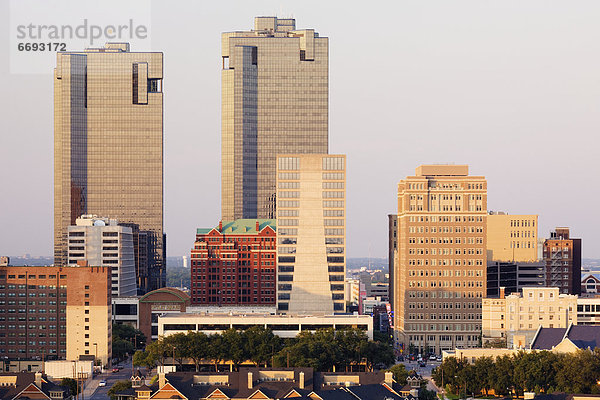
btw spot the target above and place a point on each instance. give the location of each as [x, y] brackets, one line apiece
[55, 312]
[517, 317]
[562, 255]
[234, 263]
[311, 222]
[142, 312]
[440, 268]
[286, 326]
[512, 237]
[108, 147]
[275, 90]
[514, 276]
[101, 242]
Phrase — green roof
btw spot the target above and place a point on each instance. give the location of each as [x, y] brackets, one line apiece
[241, 226]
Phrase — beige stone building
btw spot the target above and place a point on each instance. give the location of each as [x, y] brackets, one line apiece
[275, 93]
[311, 227]
[439, 272]
[108, 148]
[512, 237]
[517, 317]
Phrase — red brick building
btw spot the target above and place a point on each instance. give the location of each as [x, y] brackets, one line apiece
[562, 255]
[234, 263]
[55, 312]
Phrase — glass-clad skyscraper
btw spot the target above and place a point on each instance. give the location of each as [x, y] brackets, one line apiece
[274, 101]
[108, 149]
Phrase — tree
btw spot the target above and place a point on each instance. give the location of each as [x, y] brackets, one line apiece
[235, 351]
[129, 333]
[143, 359]
[400, 373]
[197, 348]
[71, 384]
[119, 386]
[484, 367]
[578, 372]
[176, 347]
[377, 353]
[120, 348]
[216, 349]
[260, 344]
[156, 352]
[426, 394]
[349, 343]
[502, 376]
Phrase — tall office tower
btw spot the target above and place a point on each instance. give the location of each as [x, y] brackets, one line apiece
[101, 242]
[108, 147]
[275, 89]
[512, 237]
[562, 255]
[311, 233]
[441, 258]
[234, 264]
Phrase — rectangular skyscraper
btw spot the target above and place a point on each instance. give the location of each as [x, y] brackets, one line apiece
[311, 222]
[101, 242]
[274, 100]
[440, 268]
[108, 149]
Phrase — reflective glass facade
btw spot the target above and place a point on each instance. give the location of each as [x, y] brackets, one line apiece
[108, 148]
[275, 88]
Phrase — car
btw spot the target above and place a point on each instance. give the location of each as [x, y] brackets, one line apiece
[432, 357]
[102, 383]
[115, 369]
[439, 358]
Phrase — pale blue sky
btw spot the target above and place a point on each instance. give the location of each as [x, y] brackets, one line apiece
[511, 88]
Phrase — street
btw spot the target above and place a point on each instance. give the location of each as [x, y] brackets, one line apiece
[425, 372]
[101, 393]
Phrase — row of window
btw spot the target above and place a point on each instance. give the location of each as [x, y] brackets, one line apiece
[444, 240]
[445, 262]
[445, 229]
[444, 294]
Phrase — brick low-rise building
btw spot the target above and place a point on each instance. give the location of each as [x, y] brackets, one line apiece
[235, 263]
[55, 312]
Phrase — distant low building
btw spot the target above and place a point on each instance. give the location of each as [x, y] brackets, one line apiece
[518, 316]
[142, 312]
[286, 326]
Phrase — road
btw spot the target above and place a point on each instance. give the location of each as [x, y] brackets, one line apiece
[425, 372]
[101, 393]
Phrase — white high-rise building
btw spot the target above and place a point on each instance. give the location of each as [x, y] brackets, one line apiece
[101, 242]
[311, 222]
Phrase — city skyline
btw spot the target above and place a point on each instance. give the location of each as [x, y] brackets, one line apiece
[481, 89]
